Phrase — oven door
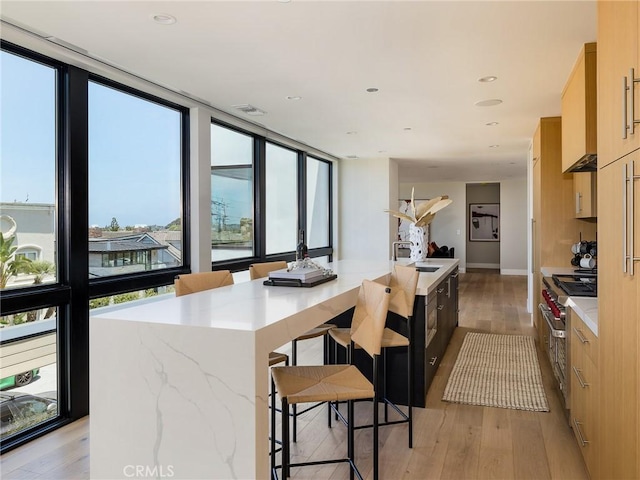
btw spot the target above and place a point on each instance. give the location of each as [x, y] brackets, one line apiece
[557, 350]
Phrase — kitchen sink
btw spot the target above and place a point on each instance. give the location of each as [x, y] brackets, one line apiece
[428, 268]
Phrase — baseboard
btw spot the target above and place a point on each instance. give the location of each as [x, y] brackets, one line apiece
[510, 271]
[483, 265]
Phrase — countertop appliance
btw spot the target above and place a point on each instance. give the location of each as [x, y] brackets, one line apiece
[555, 293]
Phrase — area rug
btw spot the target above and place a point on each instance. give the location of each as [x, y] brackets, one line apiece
[497, 371]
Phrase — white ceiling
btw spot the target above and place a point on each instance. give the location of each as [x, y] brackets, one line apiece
[425, 57]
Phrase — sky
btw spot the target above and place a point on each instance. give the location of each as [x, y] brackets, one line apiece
[134, 148]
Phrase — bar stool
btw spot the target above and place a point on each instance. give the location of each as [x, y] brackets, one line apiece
[261, 270]
[334, 383]
[403, 283]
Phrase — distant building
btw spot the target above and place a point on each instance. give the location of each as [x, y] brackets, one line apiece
[110, 253]
[118, 253]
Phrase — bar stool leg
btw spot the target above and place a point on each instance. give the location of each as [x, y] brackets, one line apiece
[285, 439]
[294, 361]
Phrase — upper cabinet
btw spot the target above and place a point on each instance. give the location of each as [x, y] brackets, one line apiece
[579, 113]
[618, 79]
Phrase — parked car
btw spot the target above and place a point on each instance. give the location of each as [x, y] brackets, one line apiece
[19, 380]
[20, 410]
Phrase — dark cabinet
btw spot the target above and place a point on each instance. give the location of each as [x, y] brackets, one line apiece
[446, 298]
[435, 317]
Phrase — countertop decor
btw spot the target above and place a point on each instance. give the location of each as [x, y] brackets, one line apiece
[419, 217]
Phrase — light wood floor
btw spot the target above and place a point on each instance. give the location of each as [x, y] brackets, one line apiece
[450, 441]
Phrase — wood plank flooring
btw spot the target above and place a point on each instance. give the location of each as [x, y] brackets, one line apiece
[450, 441]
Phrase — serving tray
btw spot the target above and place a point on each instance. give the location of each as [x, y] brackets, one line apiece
[294, 282]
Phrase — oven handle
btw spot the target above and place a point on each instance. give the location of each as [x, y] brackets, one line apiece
[555, 325]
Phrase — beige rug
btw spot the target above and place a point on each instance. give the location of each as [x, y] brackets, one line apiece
[497, 371]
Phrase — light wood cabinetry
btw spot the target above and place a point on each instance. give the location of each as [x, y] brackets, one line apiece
[618, 53]
[555, 227]
[585, 192]
[618, 318]
[619, 222]
[584, 390]
[579, 110]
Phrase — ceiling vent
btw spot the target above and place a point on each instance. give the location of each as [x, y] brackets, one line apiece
[249, 109]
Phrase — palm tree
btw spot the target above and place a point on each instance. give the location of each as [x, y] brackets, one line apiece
[10, 265]
[41, 268]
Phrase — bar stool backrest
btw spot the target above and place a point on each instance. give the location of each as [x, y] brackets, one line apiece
[369, 316]
[403, 284]
[197, 282]
[260, 270]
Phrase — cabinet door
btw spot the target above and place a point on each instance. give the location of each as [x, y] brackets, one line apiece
[618, 52]
[618, 331]
[584, 190]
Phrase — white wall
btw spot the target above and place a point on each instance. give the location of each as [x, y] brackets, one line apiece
[364, 195]
[448, 228]
[514, 221]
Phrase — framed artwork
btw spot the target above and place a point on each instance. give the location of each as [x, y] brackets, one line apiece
[484, 222]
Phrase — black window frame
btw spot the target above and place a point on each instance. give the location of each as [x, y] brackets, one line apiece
[117, 284]
[259, 199]
[73, 288]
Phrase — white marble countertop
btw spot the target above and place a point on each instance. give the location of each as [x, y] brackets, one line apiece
[202, 360]
[249, 306]
[429, 280]
[587, 309]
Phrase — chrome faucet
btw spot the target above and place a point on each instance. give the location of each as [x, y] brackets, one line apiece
[395, 245]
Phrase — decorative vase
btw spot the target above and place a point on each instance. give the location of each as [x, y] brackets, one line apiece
[418, 247]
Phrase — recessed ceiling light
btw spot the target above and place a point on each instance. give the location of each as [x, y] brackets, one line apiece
[490, 78]
[488, 103]
[372, 90]
[491, 124]
[494, 146]
[293, 97]
[406, 129]
[163, 18]
[351, 156]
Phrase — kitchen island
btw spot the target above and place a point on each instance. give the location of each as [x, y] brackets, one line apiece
[179, 387]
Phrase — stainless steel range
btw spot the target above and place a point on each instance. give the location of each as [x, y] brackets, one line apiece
[555, 293]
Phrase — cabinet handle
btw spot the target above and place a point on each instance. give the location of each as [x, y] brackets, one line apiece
[580, 336]
[440, 307]
[440, 290]
[583, 384]
[433, 361]
[625, 216]
[455, 275]
[631, 214]
[632, 96]
[583, 440]
[578, 202]
[625, 125]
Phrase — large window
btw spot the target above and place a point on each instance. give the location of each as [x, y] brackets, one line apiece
[135, 202]
[318, 201]
[232, 219]
[281, 190]
[28, 175]
[28, 256]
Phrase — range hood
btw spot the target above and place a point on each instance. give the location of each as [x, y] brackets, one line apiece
[588, 163]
